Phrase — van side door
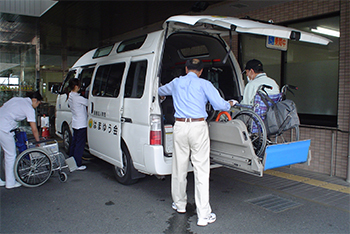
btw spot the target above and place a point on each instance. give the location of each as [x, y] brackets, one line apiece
[105, 110]
[63, 114]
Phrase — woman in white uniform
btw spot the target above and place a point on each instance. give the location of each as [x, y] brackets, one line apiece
[13, 111]
[78, 105]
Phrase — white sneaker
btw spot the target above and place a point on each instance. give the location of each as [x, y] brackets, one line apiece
[16, 185]
[81, 168]
[2, 183]
[204, 221]
[178, 210]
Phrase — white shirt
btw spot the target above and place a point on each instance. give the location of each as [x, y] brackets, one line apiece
[252, 86]
[14, 110]
[77, 105]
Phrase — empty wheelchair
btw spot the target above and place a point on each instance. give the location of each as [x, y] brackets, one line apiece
[37, 161]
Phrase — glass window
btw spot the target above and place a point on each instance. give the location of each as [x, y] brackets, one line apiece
[311, 67]
[135, 81]
[85, 78]
[314, 69]
[195, 51]
[131, 44]
[65, 85]
[254, 47]
[108, 79]
[103, 51]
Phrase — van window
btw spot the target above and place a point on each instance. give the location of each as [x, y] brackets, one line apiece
[135, 81]
[131, 44]
[103, 51]
[65, 88]
[108, 79]
[195, 51]
[85, 78]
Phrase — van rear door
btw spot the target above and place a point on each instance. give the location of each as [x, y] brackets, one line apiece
[230, 143]
[220, 24]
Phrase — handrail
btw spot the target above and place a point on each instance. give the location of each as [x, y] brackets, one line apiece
[323, 128]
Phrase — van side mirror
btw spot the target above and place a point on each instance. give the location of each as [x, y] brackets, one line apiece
[55, 89]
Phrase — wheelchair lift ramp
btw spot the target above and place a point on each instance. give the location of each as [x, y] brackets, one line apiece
[230, 146]
[281, 155]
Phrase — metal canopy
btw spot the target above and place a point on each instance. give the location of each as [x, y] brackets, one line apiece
[24, 7]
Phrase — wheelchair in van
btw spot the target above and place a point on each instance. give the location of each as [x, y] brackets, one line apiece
[254, 117]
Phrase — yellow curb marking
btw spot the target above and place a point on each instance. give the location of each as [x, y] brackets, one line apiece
[317, 183]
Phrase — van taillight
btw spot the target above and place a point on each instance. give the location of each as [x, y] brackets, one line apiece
[156, 130]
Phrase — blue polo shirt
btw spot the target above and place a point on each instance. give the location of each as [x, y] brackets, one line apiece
[190, 95]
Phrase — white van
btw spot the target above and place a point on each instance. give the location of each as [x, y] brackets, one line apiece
[130, 128]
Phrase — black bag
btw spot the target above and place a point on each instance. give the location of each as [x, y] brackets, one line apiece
[280, 116]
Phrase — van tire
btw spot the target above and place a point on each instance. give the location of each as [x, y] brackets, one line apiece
[67, 138]
[123, 175]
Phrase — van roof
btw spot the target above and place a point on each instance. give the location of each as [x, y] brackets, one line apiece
[217, 24]
[146, 47]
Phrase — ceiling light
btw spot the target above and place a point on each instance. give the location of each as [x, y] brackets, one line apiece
[326, 31]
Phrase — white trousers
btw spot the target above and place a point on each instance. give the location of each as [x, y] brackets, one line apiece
[7, 143]
[191, 141]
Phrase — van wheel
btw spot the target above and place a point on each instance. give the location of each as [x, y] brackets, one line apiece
[67, 138]
[123, 175]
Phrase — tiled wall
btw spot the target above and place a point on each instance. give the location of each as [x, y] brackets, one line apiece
[322, 139]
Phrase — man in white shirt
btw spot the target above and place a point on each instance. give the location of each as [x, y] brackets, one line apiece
[14, 110]
[257, 77]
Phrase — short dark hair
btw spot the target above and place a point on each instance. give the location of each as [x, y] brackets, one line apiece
[35, 95]
[73, 82]
[254, 64]
[194, 64]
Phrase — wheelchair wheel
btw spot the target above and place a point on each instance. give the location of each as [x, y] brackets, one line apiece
[33, 167]
[256, 130]
[63, 176]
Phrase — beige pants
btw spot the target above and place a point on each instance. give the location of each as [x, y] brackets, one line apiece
[191, 140]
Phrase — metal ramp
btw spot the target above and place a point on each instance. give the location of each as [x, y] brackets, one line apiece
[231, 147]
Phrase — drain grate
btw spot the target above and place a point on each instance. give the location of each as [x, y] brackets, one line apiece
[274, 203]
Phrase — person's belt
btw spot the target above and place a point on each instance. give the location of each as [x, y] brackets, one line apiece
[189, 119]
